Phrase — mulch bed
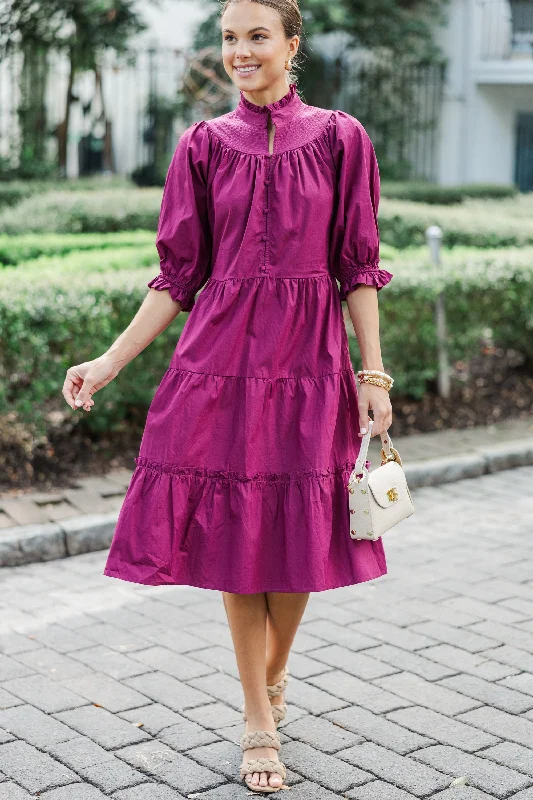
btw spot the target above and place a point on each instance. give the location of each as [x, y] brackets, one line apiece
[492, 386]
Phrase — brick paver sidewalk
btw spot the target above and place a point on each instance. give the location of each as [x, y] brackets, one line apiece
[400, 687]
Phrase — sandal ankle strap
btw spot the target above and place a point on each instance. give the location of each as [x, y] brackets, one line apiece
[277, 688]
[260, 739]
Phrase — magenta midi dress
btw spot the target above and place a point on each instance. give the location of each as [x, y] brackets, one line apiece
[240, 482]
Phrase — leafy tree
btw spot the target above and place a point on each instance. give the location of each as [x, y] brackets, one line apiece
[81, 28]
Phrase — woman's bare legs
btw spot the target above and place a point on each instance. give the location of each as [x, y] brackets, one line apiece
[285, 612]
[256, 615]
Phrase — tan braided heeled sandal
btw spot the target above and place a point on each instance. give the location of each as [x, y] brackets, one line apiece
[279, 710]
[261, 739]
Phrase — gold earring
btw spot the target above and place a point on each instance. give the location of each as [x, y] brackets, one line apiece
[288, 64]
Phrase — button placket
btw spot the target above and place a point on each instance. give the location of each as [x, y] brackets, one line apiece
[266, 209]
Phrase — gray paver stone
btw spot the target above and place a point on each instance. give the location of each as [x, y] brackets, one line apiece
[178, 771]
[79, 753]
[443, 729]
[425, 693]
[313, 699]
[111, 662]
[107, 692]
[112, 775]
[354, 690]
[33, 770]
[168, 691]
[10, 791]
[412, 662]
[55, 666]
[148, 791]
[12, 668]
[34, 726]
[392, 634]
[214, 715]
[463, 793]
[102, 726]
[355, 663]
[322, 734]
[379, 730]
[327, 770]
[476, 664]
[47, 695]
[78, 791]
[511, 755]
[462, 638]
[406, 773]
[489, 693]
[483, 774]
[378, 790]
[154, 717]
[507, 726]
[187, 734]
[178, 665]
[221, 756]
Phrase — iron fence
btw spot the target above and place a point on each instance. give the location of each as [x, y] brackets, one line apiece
[124, 114]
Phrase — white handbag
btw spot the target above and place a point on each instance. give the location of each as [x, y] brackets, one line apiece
[380, 499]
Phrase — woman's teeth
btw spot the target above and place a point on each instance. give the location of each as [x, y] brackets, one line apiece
[246, 70]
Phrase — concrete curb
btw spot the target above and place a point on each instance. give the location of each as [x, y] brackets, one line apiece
[25, 544]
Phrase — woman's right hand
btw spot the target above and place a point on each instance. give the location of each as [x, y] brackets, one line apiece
[84, 380]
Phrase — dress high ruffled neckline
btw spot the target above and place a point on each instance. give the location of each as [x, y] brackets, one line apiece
[282, 111]
[269, 107]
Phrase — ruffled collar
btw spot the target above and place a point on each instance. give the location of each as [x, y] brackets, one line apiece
[281, 111]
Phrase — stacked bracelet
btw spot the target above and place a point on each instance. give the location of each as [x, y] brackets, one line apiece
[375, 377]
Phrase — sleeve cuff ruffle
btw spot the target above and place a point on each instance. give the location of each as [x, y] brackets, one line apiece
[177, 292]
[370, 276]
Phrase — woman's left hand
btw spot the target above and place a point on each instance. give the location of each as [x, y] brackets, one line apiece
[376, 398]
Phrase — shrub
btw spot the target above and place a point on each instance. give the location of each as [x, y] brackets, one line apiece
[476, 223]
[17, 249]
[420, 192]
[49, 322]
[491, 288]
[103, 211]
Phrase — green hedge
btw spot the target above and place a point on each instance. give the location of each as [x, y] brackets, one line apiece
[48, 323]
[475, 223]
[17, 249]
[483, 289]
[12, 192]
[444, 195]
[102, 211]
[478, 223]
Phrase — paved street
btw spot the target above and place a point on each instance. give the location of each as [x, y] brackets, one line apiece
[416, 685]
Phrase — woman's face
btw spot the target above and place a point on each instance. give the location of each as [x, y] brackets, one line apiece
[254, 45]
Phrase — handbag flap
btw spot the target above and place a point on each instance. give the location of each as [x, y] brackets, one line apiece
[388, 484]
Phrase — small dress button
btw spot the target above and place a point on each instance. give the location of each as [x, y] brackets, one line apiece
[264, 237]
[265, 211]
[267, 181]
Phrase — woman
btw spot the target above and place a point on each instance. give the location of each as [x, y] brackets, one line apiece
[249, 441]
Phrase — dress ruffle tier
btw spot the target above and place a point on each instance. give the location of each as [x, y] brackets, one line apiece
[267, 508]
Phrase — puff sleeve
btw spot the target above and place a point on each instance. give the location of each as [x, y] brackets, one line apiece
[355, 232]
[183, 236]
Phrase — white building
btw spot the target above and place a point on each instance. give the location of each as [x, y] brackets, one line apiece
[486, 127]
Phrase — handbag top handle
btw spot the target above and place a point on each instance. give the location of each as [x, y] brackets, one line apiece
[365, 441]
